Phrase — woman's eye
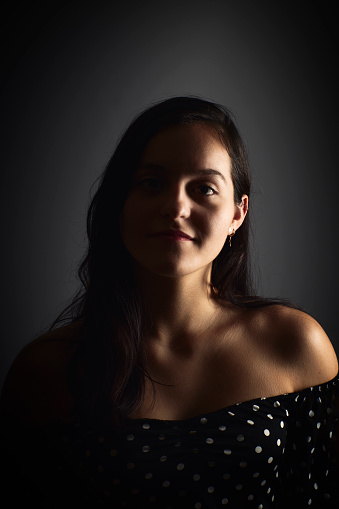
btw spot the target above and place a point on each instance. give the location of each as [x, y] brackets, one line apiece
[206, 190]
[150, 183]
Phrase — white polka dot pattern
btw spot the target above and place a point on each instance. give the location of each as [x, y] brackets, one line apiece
[266, 453]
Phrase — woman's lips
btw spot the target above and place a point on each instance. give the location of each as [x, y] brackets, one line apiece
[173, 235]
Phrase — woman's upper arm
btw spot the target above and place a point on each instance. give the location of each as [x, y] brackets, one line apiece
[35, 388]
[307, 348]
[317, 355]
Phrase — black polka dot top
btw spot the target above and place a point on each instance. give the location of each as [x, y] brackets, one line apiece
[275, 452]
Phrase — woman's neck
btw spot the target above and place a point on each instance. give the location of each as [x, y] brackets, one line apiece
[176, 307]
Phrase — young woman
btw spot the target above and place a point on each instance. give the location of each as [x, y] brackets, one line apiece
[173, 385]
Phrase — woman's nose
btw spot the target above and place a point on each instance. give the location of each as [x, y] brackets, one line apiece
[176, 203]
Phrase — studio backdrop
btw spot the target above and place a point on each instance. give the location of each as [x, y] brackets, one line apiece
[75, 73]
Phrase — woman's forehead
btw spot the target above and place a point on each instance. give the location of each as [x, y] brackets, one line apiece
[194, 145]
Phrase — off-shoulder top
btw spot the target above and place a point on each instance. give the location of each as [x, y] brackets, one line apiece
[265, 453]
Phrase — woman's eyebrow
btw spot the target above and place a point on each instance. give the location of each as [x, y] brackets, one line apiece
[200, 172]
[209, 171]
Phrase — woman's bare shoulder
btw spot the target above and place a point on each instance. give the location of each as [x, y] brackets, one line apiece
[300, 344]
[55, 341]
[36, 382]
[48, 352]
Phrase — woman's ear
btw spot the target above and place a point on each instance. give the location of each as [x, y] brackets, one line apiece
[240, 211]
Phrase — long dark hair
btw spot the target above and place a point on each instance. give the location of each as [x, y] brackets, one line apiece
[107, 372]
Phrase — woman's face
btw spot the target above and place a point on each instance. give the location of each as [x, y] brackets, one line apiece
[180, 206]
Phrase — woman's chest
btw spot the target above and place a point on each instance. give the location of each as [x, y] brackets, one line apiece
[182, 388]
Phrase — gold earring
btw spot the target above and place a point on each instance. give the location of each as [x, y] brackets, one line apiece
[230, 234]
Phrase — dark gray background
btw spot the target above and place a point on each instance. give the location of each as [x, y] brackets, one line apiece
[76, 73]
